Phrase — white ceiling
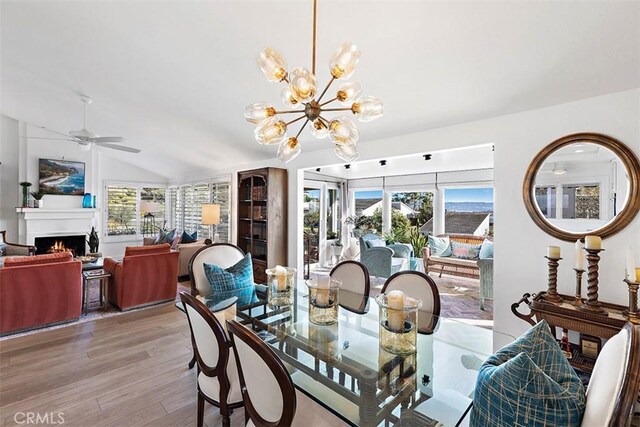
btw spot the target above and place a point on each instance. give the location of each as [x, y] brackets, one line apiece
[174, 77]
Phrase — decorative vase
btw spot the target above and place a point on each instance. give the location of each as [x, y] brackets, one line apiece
[37, 203]
[25, 197]
[280, 287]
[95, 199]
[87, 200]
[398, 325]
[323, 300]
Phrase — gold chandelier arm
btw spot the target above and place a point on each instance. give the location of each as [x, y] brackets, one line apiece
[326, 88]
[337, 109]
[329, 101]
[313, 61]
[325, 121]
[303, 126]
[289, 111]
[295, 120]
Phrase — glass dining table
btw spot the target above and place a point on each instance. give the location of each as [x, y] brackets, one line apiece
[344, 369]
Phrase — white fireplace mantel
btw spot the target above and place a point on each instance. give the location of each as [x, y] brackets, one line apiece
[38, 222]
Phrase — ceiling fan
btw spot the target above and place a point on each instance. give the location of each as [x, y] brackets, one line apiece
[86, 139]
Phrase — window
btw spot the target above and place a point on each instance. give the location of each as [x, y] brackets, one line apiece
[581, 201]
[185, 205]
[124, 216]
[546, 200]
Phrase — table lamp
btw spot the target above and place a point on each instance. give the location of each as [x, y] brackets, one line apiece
[149, 220]
[211, 216]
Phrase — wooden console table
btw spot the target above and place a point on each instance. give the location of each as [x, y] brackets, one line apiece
[566, 315]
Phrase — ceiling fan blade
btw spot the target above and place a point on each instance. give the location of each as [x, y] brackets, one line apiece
[108, 139]
[51, 139]
[53, 131]
[117, 147]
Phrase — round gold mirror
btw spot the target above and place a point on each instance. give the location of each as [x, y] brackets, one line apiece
[583, 184]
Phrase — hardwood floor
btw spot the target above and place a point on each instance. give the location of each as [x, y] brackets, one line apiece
[129, 370]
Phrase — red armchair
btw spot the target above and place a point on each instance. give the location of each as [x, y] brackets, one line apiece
[147, 275]
[39, 291]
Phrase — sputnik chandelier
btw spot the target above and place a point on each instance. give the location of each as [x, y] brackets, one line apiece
[299, 96]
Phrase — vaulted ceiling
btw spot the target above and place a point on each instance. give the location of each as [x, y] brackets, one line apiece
[173, 77]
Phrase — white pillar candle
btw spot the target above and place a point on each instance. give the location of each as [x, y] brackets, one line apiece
[630, 265]
[322, 293]
[395, 312]
[281, 277]
[593, 242]
[579, 256]
[553, 252]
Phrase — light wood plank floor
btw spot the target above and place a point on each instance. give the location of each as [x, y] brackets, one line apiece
[129, 370]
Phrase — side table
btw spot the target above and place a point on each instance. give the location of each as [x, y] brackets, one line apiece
[101, 276]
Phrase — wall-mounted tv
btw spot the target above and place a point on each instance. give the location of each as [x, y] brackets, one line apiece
[61, 177]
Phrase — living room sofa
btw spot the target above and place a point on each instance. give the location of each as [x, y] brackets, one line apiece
[452, 265]
[147, 275]
[39, 291]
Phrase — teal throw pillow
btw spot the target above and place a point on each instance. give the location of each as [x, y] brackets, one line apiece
[486, 250]
[465, 250]
[440, 246]
[165, 236]
[235, 281]
[528, 383]
[373, 243]
[189, 238]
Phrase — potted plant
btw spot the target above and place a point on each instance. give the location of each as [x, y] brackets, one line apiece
[418, 241]
[25, 193]
[37, 198]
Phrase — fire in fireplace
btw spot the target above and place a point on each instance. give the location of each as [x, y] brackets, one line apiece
[52, 244]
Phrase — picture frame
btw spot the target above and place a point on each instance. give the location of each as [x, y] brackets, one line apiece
[61, 177]
[590, 346]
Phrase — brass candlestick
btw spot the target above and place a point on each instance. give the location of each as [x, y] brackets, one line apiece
[633, 313]
[592, 305]
[578, 300]
[552, 289]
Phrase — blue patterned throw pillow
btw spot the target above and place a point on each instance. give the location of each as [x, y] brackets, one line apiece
[528, 383]
[465, 250]
[235, 281]
[165, 236]
[189, 238]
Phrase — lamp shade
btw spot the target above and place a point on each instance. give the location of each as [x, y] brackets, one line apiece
[150, 207]
[211, 214]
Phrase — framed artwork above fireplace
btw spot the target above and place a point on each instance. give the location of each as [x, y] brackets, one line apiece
[62, 177]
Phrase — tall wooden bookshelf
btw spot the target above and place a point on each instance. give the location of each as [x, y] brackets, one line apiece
[262, 218]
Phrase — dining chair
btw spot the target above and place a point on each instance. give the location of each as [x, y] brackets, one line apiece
[218, 380]
[418, 285]
[355, 281]
[267, 389]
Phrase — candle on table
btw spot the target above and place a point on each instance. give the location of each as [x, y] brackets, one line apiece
[579, 256]
[281, 277]
[593, 242]
[395, 316]
[553, 252]
[630, 266]
[322, 293]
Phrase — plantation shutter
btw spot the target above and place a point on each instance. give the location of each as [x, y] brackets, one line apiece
[221, 196]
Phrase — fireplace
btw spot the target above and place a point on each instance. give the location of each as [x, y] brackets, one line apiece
[52, 244]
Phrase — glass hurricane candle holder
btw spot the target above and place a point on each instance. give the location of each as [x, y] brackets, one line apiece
[398, 324]
[280, 286]
[323, 300]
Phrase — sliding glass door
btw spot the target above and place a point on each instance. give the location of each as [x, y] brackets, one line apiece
[322, 224]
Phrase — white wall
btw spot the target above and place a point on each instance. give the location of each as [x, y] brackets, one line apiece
[19, 157]
[9, 190]
[519, 263]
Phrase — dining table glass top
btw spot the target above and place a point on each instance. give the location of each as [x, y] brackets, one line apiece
[344, 368]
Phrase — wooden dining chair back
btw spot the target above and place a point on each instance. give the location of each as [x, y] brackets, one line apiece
[218, 380]
[224, 255]
[267, 389]
[418, 285]
[355, 281]
[615, 381]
